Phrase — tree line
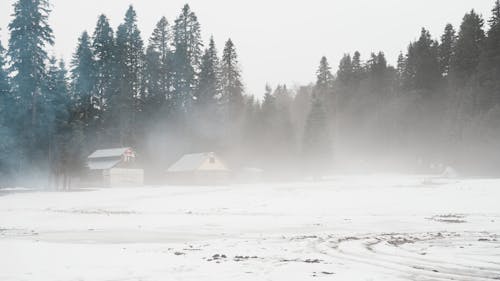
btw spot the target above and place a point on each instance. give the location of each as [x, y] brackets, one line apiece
[174, 94]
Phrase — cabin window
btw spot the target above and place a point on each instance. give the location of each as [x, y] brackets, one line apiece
[211, 160]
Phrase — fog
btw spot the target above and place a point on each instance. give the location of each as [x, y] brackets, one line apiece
[249, 140]
[425, 101]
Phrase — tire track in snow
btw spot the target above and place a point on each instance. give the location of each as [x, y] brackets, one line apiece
[366, 250]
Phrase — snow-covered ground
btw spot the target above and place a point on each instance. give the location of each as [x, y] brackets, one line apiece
[350, 228]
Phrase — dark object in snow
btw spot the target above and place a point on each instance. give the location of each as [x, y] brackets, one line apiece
[242, 258]
[217, 257]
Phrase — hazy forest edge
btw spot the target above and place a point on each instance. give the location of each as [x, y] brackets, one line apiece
[173, 94]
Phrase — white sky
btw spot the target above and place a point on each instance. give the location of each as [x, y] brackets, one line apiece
[278, 41]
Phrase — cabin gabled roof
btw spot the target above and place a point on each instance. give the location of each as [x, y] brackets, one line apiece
[196, 161]
[108, 153]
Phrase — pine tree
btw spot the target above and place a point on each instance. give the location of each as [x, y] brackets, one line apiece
[154, 98]
[489, 66]
[187, 56]
[276, 130]
[252, 126]
[377, 71]
[232, 100]
[231, 85]
[7, 140]
[207, 113]
[448, 40]
[422, 71]
[56, 109]
[83, 81]
[316, 146]
[208, 90]
[357, 67]
[468, 49]
[128, 101]
[357, 70]
[57, 96]
[267, 124]
[324, 79]
[401, 65]
[103, 47]
[269, 103]
[158, 70]
[30, 34]
[345, 72]
[323, 91]
[284, 129]
[5, 92]
[381, 80]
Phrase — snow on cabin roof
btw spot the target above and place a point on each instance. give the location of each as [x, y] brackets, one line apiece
[192, 162]
[103, 164]
[188, 162]
[113, 152]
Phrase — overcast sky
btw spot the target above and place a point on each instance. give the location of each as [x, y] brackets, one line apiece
[278, 41]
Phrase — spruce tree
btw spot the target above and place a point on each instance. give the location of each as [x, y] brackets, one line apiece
[208, 91]
[232, 100]
[324, 91]
[154, 98]
[345, 72]
[324, 79]
[103, 47]
[207, 113]
[187, 55]
[489, 66]
[30, 34]
[158, 66]
[422, 72]
[128, 101]
[158, 72]
[357, 69]
[267, 123]
[7, 140]
[467, 49]
[276, 130]
[56, 109]
[377, 70]
[57, 96]
[83, 81]
[401, 65]
[269, 103]
[4, 81]
[448, 40]
[231, 84]
[316, 146]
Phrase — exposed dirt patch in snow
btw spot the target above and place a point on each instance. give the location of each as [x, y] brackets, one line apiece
[449, 218]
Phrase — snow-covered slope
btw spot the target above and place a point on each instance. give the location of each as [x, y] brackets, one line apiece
[349, 228]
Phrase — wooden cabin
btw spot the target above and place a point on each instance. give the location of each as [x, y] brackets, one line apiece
[115, 167]
[199, 169]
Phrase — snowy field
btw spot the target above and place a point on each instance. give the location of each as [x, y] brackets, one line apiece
[349, 228]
